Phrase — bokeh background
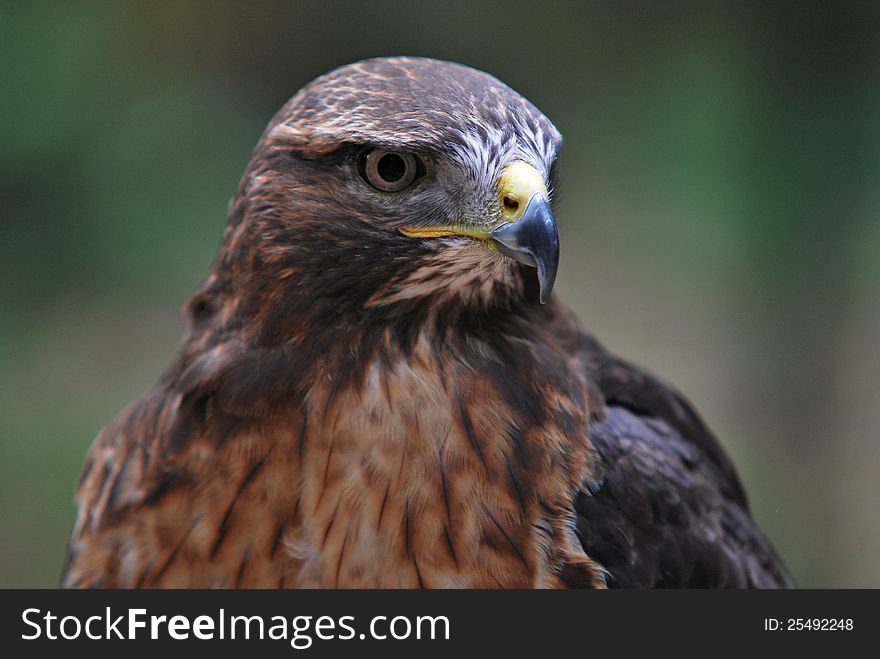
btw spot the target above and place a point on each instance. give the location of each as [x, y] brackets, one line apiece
[719, 217]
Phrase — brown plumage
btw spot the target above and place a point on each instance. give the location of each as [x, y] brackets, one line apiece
[371, 393]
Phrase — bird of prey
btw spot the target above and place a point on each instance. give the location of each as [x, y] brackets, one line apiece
[377, 387]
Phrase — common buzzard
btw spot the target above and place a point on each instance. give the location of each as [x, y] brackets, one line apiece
[378, 389]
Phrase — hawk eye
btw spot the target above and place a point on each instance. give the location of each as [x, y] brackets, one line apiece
[389, 171]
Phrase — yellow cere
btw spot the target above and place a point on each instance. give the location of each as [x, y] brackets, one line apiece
[517, 185]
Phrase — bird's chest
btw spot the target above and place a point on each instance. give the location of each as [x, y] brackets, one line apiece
[429, 478]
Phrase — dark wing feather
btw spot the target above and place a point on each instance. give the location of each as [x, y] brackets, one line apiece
[665, 507]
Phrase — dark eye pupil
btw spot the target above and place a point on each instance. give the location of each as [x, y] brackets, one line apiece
[391, 167]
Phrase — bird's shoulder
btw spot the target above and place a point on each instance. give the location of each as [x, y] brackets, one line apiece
[663, 504]
[143, 492]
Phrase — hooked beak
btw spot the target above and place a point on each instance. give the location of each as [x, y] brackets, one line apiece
[533, 240]
[527, 232]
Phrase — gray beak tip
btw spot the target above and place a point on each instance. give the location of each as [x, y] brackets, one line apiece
[533, 240]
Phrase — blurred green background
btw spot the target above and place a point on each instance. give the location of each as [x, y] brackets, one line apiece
[719, 219]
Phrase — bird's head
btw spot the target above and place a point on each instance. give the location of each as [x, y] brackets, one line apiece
[393, 186]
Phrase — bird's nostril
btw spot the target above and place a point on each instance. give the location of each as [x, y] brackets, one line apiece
[511, 203]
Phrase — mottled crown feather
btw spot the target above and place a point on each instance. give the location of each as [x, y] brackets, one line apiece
[407, 102]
